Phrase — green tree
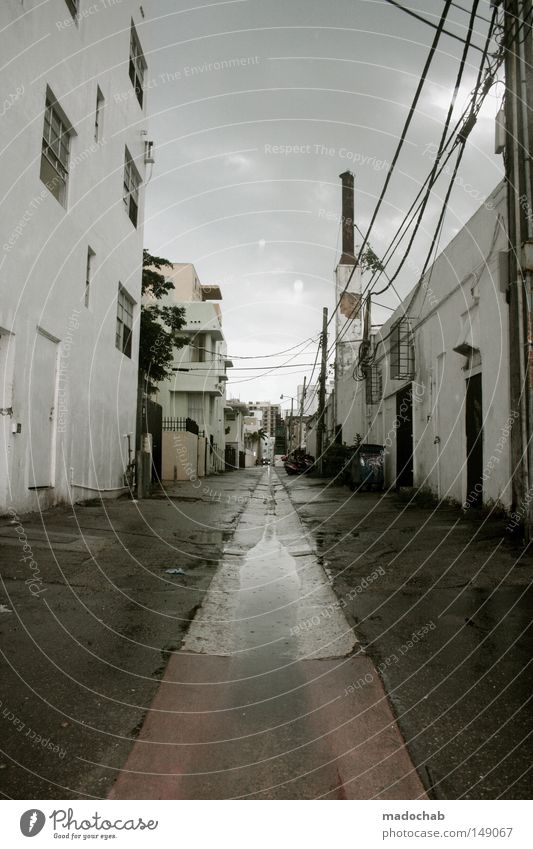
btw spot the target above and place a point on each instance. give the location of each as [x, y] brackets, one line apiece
[160, 325]
[370, 261]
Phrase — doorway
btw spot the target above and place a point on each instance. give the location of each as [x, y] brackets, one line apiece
[404, 437]
[474, 441]
[42, 411]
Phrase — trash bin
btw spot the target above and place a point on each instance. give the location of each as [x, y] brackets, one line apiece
[367, 467]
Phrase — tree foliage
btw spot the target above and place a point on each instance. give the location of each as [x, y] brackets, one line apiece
[370, 261]
[160, 324]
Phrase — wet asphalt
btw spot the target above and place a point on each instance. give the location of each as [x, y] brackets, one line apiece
[366, 622]
[259, 702]
[447, 624]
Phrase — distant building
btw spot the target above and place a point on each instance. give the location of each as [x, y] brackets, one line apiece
[271, 414]
[197, 391]
[71, 215]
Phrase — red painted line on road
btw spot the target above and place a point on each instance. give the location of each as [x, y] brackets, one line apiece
[213, 741]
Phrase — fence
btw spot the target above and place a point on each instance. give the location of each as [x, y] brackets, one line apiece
[183, 424]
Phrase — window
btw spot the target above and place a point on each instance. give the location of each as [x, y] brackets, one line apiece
[88, 275]
[132, 181]
[124, 322]
[73, 7]
[402, 358]
[99, 115]
[137, 66]
[55, 151]
[195, 408]
[373, 385]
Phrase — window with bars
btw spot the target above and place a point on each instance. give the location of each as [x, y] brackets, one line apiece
[132, 182]
[373, 385]
[74, 7]
[137, 66]
[99, 115]
[55, 154]
[88, 275]
[124, 322]
[402, 355]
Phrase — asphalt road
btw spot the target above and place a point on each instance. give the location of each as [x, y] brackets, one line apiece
[327, 628]
[447, 624]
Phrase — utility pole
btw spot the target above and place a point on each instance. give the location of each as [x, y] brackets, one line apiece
[321, 424]
[519, 131]
[300, 429]
[290, 429]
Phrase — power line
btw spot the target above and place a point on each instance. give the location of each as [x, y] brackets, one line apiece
[466, 124]
[255, 356]
[430, 23]
[442, 142]
[399, 147]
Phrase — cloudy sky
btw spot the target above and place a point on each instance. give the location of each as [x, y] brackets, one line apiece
[256, 108]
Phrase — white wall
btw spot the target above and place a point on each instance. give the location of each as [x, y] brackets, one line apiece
[44, 250]
[461, 297]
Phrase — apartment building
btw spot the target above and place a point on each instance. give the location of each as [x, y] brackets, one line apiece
[197, 390]
[75, 151]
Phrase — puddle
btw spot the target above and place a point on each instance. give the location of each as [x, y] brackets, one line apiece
[270, 602]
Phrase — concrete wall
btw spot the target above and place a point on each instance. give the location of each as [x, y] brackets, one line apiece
[71, 391]
[180, 455]
[201, 455]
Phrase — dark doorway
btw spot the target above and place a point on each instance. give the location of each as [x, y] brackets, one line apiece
[404, 437]
[154, 425]
[474, 441]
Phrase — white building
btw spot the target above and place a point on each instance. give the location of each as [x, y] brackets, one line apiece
[436, 393]
[310, 399]
[71, 201]
[198, 388]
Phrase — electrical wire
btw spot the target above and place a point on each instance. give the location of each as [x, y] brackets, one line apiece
[399, 148]
[256, 356]
[430, 23]
[466, 124]
[442, 142]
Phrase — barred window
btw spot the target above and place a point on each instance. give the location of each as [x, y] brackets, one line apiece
[373, 385]
[402, 355]
[124, 322]
[137, 66]
[55, 152]
[132, 181]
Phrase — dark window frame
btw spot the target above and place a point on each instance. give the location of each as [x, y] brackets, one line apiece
[131, 188]
[74, 8]
[88, 275]
[401, 351]
[124, 329]
[99, 115]
[137, 65]
[55, 150]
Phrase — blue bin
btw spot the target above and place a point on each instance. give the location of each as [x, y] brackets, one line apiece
[367, 467]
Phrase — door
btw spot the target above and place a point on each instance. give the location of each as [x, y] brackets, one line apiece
[474, 441]
[42, 414]
[404, 437]
[154, 425]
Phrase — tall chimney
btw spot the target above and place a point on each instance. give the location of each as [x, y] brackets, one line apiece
[348, 257]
